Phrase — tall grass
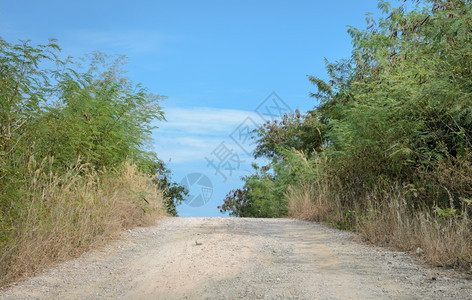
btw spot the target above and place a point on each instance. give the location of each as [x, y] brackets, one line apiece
[64, 216]
[386, 217]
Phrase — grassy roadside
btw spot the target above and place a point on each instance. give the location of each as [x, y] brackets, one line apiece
[440, 237]
[65, 216]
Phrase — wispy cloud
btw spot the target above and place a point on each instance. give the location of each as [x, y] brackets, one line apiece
[191, 134]
[204, 120]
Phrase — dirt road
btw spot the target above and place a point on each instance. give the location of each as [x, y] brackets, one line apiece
[229, 258]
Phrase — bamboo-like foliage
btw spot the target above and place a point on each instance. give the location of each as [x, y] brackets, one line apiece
[67, 115]
[387, 150]
[398, 111]
[49, 107]
[406, 106]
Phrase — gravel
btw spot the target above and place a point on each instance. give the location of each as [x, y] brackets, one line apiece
[238, 258]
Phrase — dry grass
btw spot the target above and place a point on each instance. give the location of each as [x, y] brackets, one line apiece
[306, 202]
[67, 215]
[387, 219]
[445, 240]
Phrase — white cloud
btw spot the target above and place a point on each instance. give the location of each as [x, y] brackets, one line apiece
[205, 120]
[191, 134]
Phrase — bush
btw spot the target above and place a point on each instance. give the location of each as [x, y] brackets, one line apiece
[74, 164]
[387, 150]
[64, 215]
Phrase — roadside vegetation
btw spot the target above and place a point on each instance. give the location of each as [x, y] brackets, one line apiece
[74, 169]
[387, 149]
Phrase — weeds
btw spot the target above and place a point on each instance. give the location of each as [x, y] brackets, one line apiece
[64, 216]
[388, 219]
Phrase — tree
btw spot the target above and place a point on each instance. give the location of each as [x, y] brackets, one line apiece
[398, 111]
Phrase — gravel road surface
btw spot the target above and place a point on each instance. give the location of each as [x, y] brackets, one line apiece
[237, 258]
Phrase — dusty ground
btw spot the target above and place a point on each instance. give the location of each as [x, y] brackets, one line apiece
[241, 259]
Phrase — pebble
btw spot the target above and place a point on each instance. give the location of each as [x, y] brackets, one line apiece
[288, 259]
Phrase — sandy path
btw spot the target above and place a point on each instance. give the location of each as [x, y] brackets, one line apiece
[241, 259]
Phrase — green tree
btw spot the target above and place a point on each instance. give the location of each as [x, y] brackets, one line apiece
[398, 111]
[68, 113]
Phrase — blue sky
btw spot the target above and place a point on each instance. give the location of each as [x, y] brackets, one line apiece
[216, 61]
